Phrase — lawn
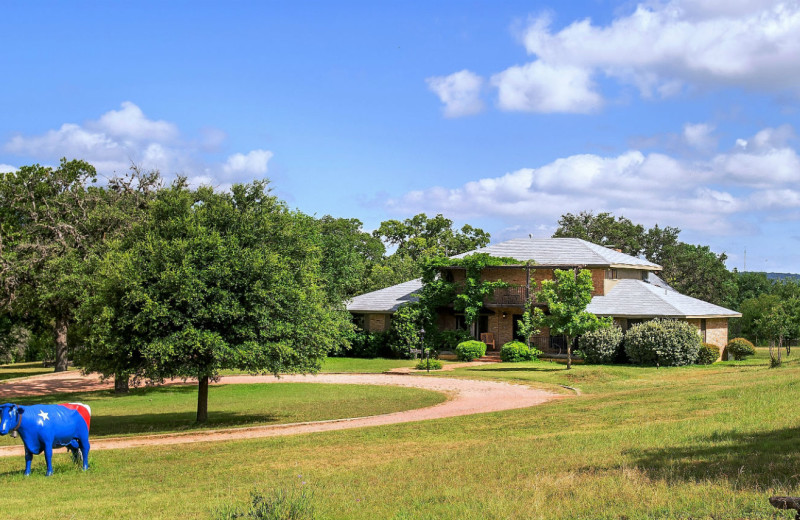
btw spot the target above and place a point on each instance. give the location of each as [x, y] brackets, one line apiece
[173, 408]
[17, 370]
[639, 443]
[339, 365]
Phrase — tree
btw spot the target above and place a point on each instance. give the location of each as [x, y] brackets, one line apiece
[349, 255]
[698, 272]
[774, 325]
[567, 297]
[214, 281]
[420, 236]
[51, 223]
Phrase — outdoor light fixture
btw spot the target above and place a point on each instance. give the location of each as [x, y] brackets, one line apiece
[504, 315]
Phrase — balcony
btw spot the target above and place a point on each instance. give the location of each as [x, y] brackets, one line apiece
[514, 296]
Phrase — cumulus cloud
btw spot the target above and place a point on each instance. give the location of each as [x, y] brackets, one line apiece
[539, 87]
[460, 92]
[661, 48]
[121, 137]
[252, 163]
[702, 195]
[699, 136]
[7, 168]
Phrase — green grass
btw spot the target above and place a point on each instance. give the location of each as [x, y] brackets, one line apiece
[173, 408]
[640, 443]
[18, 370]
[341, 364]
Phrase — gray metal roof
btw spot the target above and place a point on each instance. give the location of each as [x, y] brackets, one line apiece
[386, 300]
[562, 251]
[635, 298]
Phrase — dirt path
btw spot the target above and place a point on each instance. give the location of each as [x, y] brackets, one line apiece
[465, 397]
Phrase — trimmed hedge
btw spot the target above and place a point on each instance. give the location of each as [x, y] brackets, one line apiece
[708, 354]
[516, 351]
[662, 341]
[601, 345]
[469, 350]
[740, 348]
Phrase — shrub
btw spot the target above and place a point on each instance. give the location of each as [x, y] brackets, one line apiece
[469, 350]
[516, 351]
[740, 348]
[368, 345]
[429, 364]
[662, 341]
[449, 339]
[279, 505]
[708, 354]
[601, 345]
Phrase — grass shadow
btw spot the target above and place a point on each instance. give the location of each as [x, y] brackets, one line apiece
[761, 460]
[154, 423]
[515, 369]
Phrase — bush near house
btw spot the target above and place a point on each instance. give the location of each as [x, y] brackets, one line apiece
[428, 364]
[740, 348]
[708, 354]
[516, 351]
[601, 345]
[469, 350]
[662, 341]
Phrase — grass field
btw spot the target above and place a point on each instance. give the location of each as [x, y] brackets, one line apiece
[640, 443]
[173, 408]
[18, 370]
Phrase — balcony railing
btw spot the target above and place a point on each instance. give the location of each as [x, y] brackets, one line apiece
[514, 295]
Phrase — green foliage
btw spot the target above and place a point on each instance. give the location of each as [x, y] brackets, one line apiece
[601, 345]
[740, 348]
[606, 230]
[367, 344]
[280, 504]
[567, 297]
[708, 354]
[213, 281]
[421, 237]
[448, 339]
[531, 321]
[698, 272]
[348, 257]
[405, 333]
[469, 350]
[516, 351]
[662, 341]
[429, 364]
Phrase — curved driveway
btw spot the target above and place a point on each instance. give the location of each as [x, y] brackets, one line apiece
[466, 397]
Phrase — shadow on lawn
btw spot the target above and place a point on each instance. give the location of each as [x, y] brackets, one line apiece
[763, 460]
[515, 369]
[154, 423]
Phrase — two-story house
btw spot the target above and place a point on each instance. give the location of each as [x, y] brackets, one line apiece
[625, 288]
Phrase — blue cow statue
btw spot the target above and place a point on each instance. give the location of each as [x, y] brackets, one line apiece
[43, 427]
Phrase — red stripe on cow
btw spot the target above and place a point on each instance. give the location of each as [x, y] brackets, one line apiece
[82, 409]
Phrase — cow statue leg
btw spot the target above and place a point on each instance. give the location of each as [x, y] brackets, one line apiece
[28, 459]
[83, 442]
[48, 457]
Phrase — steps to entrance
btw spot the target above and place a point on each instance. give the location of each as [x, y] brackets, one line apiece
[492, 356]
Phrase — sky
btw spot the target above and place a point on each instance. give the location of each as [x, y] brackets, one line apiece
[501, 114]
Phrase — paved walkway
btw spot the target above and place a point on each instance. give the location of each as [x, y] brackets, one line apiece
[465, 397]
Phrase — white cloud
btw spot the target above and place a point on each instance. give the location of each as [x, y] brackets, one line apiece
[699, 136]
[131, 123]
[460, 92]
[703, 195]
[7, 168]
[539, 87]
[253, 163]
[661, 48]
[121, 137]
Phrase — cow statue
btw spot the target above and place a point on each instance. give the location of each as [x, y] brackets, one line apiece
[43, 427]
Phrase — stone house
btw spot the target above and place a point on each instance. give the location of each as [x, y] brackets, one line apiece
[625, 287]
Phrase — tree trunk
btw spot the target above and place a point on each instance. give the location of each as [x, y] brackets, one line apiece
[61, 343]
[569, 352]
[120, 384]
[202, 399]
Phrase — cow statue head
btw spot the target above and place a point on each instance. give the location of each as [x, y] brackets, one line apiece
[10, 418]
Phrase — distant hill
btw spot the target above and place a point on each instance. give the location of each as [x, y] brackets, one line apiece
[783, 276]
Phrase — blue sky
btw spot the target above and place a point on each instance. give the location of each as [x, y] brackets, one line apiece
[504, 115]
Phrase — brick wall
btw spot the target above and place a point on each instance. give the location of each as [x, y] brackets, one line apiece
[377, 322]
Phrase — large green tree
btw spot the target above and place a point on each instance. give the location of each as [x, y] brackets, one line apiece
[52, 221]
[419, 236]
[567, 297]
[214, 281]
[697, 271]
[349, 256]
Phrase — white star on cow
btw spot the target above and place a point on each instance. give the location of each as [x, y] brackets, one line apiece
[44, 415]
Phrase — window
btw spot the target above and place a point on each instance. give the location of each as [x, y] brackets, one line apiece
[611, 274]
[645, 274]
[359, 321]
